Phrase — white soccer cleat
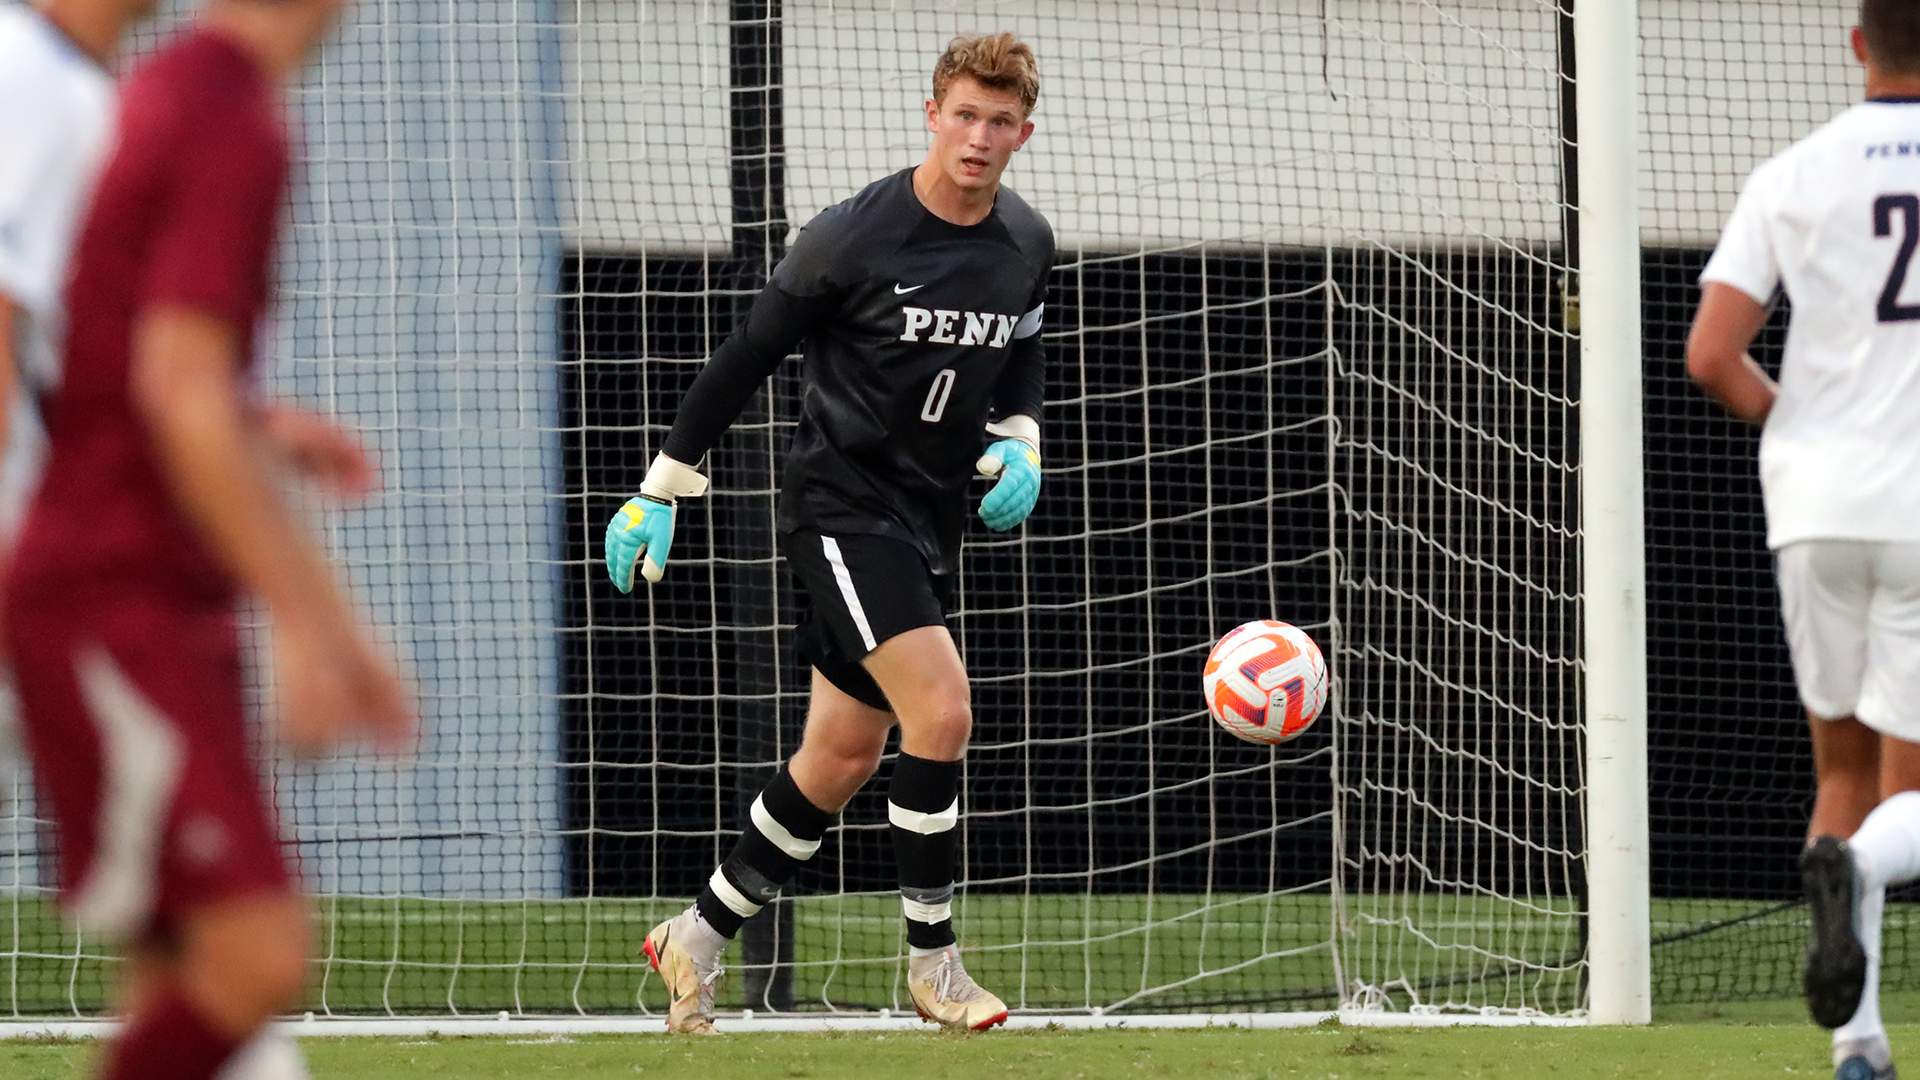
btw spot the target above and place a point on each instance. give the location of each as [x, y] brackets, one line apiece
[945, 994]
[691, 978]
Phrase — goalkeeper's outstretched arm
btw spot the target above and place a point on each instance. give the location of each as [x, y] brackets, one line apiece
[773, 326]
[641, 534]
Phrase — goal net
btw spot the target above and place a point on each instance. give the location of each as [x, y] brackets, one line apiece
[1312, 343]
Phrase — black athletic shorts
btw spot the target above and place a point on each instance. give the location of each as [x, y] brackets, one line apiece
[860, 591]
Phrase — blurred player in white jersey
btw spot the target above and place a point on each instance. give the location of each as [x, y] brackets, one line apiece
[56, 123]
[1835, 221]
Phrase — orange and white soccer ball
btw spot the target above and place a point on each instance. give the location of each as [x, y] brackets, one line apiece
[1265, 681]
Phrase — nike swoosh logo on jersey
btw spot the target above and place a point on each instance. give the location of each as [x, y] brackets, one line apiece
[898, 291]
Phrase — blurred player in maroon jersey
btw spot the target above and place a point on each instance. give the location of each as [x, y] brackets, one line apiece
[162, 503]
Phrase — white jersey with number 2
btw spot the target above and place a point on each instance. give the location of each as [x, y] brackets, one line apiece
[1835, 220]
[56, 123]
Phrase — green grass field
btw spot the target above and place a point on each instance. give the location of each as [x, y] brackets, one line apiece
[1695, 1051]
[415, 957]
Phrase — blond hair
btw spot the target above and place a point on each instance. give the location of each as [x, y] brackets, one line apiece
[996, 61]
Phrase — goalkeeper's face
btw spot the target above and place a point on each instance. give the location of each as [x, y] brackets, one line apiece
[976, 130]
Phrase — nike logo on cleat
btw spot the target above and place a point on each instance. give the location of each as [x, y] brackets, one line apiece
[898, 291]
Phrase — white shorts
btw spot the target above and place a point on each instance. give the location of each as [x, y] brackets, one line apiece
[1852, 609]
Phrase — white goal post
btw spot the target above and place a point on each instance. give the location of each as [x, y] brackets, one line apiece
[1612, 514]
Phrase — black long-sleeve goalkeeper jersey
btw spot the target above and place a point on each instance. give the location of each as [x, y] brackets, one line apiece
[918, 331]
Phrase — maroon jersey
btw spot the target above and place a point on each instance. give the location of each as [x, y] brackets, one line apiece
[185, 216]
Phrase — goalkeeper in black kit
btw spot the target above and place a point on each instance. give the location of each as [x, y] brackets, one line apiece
[920, 303]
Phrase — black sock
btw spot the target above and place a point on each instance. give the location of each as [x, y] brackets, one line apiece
[784, 832]
[923, 804]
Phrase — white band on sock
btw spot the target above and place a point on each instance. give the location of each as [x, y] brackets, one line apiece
[926, 913]
[925, 824]
[735, 900]
[770, 828]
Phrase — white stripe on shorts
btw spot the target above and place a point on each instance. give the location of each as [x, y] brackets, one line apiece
[832, 547]
[142, 758]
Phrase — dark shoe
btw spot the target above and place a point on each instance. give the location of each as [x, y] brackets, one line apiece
[1858, 1067]
[1836, 964]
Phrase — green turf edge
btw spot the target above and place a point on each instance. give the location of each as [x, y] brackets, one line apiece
[1693, 1051]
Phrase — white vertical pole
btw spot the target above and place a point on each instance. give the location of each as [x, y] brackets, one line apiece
[1606, 47]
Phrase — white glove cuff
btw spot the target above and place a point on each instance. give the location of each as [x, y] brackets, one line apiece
[668, 480]
[1021, 426]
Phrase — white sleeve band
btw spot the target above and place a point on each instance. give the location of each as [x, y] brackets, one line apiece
[1021, 426]
[1029, 323]
[668, 480]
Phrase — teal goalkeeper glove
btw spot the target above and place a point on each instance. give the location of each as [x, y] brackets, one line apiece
[1017, 464]
[643, 529]
[642, 532]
